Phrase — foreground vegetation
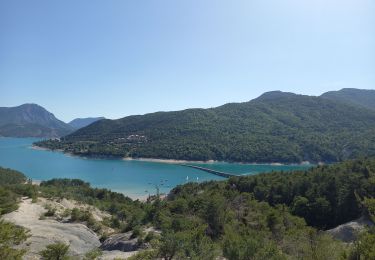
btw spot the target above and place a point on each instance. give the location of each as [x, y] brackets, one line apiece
[268, 216]
[11, 188]
[276, 127]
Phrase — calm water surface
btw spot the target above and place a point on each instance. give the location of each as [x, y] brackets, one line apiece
[133, 178]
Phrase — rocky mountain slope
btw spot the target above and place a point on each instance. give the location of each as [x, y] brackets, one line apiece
[31, 120]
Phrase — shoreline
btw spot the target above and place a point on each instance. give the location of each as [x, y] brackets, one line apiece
[141, 196]
[35, 147]
[131, 195]
[169, 161]
[176, 161]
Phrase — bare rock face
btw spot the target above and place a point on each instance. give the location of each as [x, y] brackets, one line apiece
[79, 237]
[121, 242]
[347, 232]
[44, 232]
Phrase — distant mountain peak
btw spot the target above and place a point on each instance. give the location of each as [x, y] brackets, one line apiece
[31, 120]
[275, 95]
[82, 122]
[31, 105]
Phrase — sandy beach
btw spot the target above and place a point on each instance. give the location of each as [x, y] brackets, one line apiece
[170, 161]
[173, 161]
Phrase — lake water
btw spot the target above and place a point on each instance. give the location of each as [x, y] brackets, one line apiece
[133, 178]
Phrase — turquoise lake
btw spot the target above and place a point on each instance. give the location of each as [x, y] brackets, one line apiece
[135, 179]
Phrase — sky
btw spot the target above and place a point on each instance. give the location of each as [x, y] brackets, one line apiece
[120, 57]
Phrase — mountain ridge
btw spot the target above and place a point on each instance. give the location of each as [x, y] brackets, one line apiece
[78, 123]
[31, 120]
[276, 127]
[360, 97]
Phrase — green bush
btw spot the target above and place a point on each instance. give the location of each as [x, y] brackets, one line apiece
[57, 251]
[10, 236]
[93, 254]
[370, 207]
[8, 201]
[8, 177]
[137, 232]
[50, 211]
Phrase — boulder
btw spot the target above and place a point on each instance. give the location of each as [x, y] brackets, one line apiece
[348, 232]
[121, 242]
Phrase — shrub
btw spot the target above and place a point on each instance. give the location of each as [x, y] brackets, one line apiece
[50, 211]
[93, 254]
[57, 251]
[11, 235]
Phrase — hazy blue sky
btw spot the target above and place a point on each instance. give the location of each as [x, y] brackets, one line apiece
[116, 58]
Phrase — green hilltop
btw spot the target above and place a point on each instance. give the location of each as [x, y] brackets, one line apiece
[361, 97]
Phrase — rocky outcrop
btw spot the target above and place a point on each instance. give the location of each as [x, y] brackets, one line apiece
[121, 242]
[47, 231]
[347, 232]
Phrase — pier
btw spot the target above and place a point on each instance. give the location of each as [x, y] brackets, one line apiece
[218, 173]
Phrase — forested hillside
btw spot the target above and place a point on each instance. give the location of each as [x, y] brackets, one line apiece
[267, 216]
[325, 196]
[276, 127]
[361, 97]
